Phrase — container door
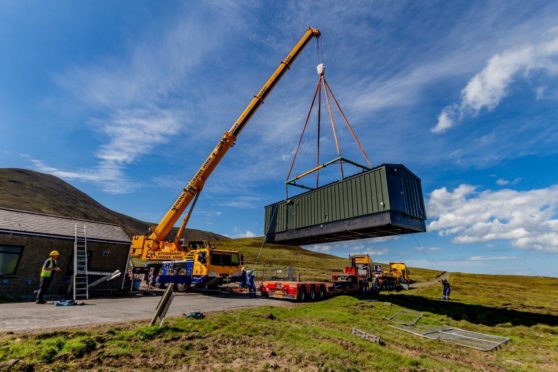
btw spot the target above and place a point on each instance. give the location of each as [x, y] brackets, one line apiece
[395, 186]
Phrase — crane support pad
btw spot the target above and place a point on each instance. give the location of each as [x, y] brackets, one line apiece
[383, 201]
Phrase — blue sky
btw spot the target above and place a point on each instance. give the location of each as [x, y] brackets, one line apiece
[124, 100]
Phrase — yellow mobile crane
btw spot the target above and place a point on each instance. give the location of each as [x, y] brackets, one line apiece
[155, 246]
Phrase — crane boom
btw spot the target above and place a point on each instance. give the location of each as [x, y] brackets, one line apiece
[154, 246]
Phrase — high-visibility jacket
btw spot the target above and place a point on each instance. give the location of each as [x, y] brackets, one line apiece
[50, 263]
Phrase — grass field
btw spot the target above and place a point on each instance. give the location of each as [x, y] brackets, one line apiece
[317, 336]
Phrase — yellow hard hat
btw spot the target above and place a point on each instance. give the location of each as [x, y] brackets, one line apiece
[54, 253]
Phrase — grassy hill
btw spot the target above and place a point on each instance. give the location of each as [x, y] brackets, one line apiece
[33, 191]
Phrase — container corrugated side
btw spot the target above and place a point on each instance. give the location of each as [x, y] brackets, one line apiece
[387, 187]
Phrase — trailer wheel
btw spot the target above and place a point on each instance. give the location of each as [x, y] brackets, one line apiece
[312, 293]
[321, 293]
[302, 294]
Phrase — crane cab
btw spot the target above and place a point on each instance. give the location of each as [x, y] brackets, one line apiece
[202, 267]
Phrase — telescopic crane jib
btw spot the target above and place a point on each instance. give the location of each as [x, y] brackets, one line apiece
[155, 246]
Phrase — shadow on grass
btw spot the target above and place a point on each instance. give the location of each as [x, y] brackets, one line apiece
[479, 314]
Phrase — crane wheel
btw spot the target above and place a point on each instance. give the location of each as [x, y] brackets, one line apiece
[179, 287]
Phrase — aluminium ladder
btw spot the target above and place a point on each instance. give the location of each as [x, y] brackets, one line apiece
[80, 278]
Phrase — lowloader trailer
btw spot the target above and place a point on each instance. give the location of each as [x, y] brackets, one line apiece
[359, 277]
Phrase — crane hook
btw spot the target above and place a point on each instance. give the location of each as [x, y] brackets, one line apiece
[321, 69]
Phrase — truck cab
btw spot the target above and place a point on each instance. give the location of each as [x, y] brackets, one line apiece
[202, 267]
[399, 270]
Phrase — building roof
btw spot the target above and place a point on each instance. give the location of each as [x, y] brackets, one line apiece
[32, 223]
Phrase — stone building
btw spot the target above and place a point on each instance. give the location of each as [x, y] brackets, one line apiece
[26, 239]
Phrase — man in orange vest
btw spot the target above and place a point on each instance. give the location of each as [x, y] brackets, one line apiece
[47, 273]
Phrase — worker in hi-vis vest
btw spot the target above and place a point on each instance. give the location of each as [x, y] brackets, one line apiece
[47, 273]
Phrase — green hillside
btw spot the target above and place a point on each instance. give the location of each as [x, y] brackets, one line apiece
[37, 192]
[311, 265]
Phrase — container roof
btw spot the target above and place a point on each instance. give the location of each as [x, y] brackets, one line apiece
[33, 223]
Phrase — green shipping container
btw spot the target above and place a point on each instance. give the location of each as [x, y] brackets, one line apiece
[383, 201]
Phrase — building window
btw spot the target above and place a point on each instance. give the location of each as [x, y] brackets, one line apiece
[9, 259]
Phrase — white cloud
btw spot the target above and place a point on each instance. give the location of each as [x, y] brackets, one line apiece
[355, 246]
[243, 202]
[130, 134]
[375, 252]
[208, 213]
[504, 182]
[139, 102]
[247, 234]
[488, 87]
[444, 122]
[364, 246]
[431, 249]
[540, 92]
[528, 219]
[323, 248]
[492, 258]
[111, 178]
[240, 233]
[372, 88]
[133, 133]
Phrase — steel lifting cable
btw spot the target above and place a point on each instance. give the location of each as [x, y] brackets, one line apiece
[318, 87]
[421, 249]
[320, 61]
[319, 130]
[333, 127]
[273, 215]
[328, 89]
[323, 84]
[320, 50]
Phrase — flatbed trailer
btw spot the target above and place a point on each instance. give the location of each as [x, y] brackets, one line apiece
[296, 291]
[306, 290]
[359, 277]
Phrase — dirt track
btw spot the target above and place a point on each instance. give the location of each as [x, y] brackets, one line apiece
[28, 316]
